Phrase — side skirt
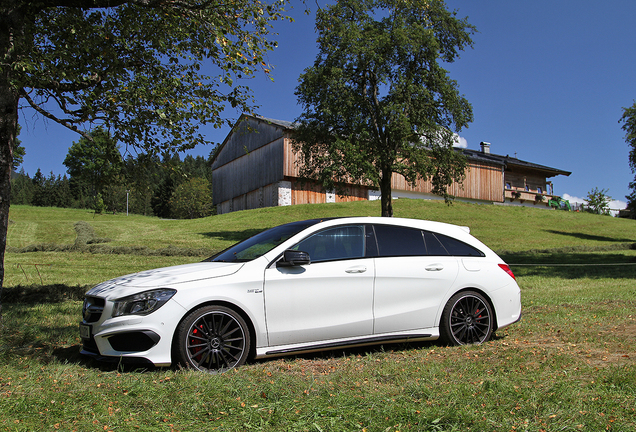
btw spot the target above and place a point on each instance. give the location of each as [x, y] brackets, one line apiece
[348, 343]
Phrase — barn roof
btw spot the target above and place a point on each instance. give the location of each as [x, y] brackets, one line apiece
[513, 163]
[510, 163]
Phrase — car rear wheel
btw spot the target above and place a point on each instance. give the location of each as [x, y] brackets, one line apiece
[212, 339]
[467, 319]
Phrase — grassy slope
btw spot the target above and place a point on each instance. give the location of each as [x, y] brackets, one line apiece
[501, 228]
[568, 365]
[510, 229]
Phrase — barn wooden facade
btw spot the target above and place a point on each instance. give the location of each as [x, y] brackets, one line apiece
[255, 167]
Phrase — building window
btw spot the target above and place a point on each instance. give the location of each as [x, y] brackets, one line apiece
[540, 189]
[508, 185]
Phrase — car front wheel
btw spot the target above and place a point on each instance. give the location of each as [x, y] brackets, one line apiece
[212, 339]
[467, 319]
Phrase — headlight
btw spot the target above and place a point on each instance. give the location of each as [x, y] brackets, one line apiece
[142, 303]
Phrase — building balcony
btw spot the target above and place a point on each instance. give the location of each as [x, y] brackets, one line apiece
[522, 196]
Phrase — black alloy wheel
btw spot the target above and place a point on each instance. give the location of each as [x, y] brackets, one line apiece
[213, 339]
[467, 319]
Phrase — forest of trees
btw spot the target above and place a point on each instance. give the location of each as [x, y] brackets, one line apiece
[100, 179]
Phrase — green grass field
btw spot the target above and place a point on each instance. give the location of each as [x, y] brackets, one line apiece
[569, 365]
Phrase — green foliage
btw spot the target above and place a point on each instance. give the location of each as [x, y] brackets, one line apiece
[41, 191]
[95, 161]
[161, 200]
[192, 199]
[378, 102]
[18, 151]
[142, 175]
[138, 68]
[98, 204]
[22, 189]
[629, 126]
[146, 182]
[150, 72]
[597, 202]
[114, 195]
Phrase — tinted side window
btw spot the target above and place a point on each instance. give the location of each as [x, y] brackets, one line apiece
[371, 243]
[399, 241]
[458, 248]
[334, 243]
[433, 245]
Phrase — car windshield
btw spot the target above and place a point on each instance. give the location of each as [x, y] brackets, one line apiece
[261, 243]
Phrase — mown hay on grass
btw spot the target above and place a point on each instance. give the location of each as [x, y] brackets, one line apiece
[86, 241]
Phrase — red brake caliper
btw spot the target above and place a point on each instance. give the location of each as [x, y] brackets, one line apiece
[193, 341]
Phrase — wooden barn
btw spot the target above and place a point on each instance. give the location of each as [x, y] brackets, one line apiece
[255, 167]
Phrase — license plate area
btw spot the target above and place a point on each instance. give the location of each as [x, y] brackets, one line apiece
[85, 331]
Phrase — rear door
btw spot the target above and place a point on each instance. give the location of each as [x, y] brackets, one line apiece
[413, 274]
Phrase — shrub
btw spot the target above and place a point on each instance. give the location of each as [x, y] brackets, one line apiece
[192, 199]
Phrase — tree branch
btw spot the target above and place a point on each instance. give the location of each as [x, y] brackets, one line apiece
[64, 122]
[96, 4]
[57, 86]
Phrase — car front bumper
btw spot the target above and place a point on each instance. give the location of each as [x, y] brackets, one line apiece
[131, 337]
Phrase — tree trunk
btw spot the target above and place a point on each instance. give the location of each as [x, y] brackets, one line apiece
[385, 191]
[8, 128]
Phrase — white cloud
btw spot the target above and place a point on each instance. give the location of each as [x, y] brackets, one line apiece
[618, 205]
[573, 199]
[459, 141]
[614, 205]
[442, 135]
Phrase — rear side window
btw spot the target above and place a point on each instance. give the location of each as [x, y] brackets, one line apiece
[457, 248]
[434, 246]
[402, 241]
[399, 241]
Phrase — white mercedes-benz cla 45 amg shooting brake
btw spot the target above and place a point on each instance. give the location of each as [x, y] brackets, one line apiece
[306, 286]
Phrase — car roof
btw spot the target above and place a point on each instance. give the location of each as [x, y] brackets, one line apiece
[408, 222]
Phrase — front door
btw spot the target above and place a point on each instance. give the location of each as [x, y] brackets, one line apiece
[331, 298]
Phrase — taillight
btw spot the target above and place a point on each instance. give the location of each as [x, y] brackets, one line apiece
[505, 268]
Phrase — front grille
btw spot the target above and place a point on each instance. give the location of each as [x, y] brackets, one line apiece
[92, 309]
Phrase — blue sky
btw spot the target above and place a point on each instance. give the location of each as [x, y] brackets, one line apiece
[547, 80]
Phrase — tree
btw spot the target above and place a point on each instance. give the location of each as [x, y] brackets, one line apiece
[95, 161]
[629, 126]
[45, 192]
[192, 199]
[22, 188]
[598, 201]
[170, 178]
[143, 174]
[18, 151]
[134, 66]
[377, 101]
[114, 195]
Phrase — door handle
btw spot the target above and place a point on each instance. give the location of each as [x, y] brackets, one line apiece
[356, 269]
[434, 267]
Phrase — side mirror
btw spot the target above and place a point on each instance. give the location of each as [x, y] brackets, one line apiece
[293, 258]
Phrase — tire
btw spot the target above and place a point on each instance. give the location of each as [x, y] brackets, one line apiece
[212, 339]
[467, 319]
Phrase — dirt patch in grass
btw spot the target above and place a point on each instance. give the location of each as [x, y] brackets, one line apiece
[610, 347]
[614, 346]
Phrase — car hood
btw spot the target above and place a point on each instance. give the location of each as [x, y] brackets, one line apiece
[165, 277]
